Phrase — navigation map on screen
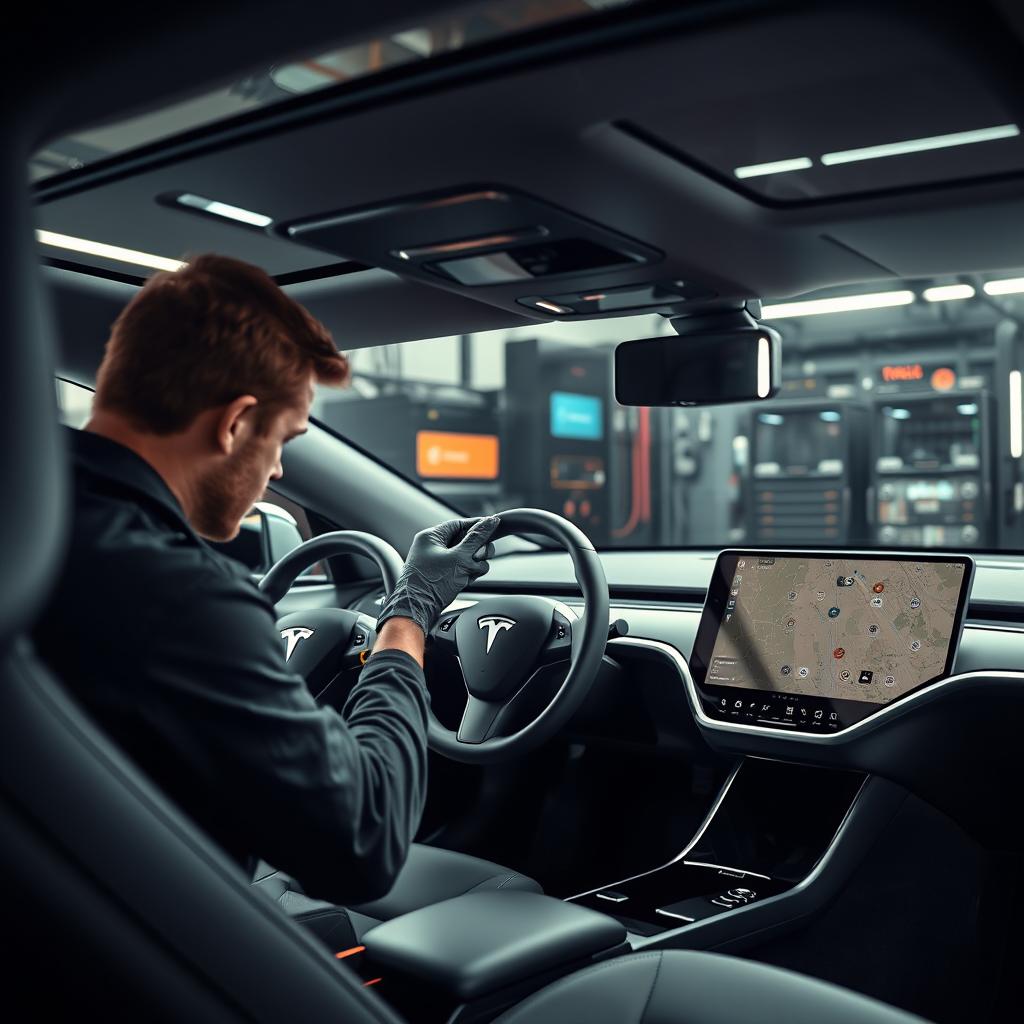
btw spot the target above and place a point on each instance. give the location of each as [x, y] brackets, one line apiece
[856, 629]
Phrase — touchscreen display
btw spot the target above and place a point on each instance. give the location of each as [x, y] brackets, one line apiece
[845, 628]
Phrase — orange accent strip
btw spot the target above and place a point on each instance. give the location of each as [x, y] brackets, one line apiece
[372, 981]
[350, 952]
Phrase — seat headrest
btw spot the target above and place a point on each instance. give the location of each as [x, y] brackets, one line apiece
[33, 512]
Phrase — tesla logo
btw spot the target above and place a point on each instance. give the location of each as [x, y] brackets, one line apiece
[494, 624]
[293, 636]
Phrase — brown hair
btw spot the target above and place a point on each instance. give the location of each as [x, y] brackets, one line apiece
[200, 337]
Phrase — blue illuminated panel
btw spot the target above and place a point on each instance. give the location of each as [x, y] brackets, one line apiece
[580, 417]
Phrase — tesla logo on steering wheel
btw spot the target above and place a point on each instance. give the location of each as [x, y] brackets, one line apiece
[293, 636]
[494, 624]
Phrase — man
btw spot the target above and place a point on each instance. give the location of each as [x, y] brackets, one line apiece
[208, 372]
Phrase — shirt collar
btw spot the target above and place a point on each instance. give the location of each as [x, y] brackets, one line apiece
[114, 461]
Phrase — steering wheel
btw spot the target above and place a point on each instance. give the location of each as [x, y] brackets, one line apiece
[500, 642]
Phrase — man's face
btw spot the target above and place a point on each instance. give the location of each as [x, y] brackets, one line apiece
[225, 496]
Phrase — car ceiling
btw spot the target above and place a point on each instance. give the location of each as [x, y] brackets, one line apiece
[569, 121]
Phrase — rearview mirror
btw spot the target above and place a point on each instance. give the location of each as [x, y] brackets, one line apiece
[740, 364]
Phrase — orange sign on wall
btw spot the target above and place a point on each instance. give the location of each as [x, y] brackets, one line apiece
[440, 454]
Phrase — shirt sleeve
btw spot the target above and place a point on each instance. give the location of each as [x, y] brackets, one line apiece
[332, 799]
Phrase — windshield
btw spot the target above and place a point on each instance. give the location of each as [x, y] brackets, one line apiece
[898, 425]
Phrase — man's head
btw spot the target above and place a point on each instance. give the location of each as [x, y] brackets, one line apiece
[208, 372]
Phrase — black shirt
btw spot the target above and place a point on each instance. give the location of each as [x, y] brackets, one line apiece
[175, 652]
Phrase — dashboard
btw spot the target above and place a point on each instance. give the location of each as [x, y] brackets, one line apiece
[949, 733]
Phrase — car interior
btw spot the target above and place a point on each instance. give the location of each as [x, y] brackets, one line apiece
[718, 306]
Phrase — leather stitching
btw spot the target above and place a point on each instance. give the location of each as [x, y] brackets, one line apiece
[507, 879]
[654, 982]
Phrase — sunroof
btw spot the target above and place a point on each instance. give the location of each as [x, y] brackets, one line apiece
[916, 114]
[464, 29]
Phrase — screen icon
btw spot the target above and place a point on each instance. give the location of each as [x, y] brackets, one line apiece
[889, 681]
[818, 714]
[865, 676]
[915, 645]
[785, 670]
[915, 603]
[833, 612]
[838, 653]
[877, 602]
[792, 595]
[845, 675]
[803, 672]
[820, 595]
[873, 628]
[878, 588]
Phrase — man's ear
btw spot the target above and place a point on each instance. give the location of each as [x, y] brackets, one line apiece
[232, 422]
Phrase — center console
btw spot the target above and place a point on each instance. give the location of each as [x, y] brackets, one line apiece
[768, 831]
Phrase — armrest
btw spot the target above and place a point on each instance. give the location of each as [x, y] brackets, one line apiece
[473, 945]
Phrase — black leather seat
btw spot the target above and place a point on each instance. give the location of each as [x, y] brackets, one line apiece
[430, 875]
[684, 987]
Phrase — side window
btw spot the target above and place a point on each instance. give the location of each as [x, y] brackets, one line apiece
[74, 403]
[274, 526]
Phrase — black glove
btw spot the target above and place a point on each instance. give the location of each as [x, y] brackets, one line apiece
[442, 562]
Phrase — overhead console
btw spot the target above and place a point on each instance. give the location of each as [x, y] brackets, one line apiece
[816, 642]
[504, 247]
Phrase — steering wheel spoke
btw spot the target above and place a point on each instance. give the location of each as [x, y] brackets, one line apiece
[480, 719]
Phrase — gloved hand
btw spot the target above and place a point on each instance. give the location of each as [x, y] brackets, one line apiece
[442, 562]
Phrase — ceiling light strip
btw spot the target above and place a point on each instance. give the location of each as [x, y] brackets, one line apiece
[847, 156]
[109, 252]
[800, 163]
[839, 304]
[1004, 286]
[948, 292]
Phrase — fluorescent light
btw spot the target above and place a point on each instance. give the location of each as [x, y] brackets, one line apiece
[764, 367]
[1016, 429]
[213, 206]
[800, 163]
[897, 414]
[848, 156]
[772, 419]
[829, 416]
[840, 304]
[967, 409]
[946, 292]
[110, 252]
[1006, 286]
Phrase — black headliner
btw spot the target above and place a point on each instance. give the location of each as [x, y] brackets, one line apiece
[552, 125]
